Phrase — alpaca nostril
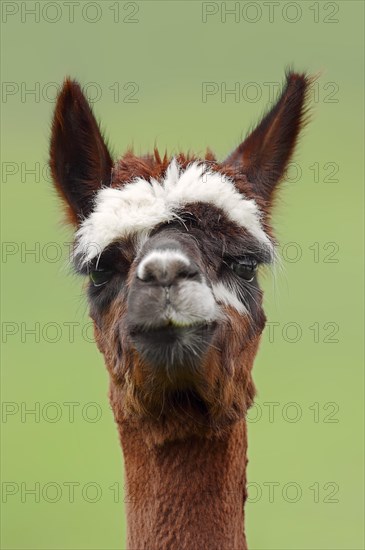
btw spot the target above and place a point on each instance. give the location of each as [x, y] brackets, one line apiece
[167, 277]
[147, 277]
[190, 272]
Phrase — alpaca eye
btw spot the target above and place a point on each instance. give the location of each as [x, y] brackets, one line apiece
[244, 267]
[100, 277]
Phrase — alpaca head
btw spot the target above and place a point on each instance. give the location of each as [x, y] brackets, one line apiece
[172, 248]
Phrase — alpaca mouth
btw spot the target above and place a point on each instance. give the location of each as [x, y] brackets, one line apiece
[169, 331]
[173, 345]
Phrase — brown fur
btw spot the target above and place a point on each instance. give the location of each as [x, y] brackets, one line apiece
[187, 494]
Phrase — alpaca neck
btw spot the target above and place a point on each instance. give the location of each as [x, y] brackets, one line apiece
[186, 494]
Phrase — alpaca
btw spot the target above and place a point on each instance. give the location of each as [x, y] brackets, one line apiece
[172, 249]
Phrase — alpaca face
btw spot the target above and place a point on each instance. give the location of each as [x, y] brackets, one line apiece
[173, 281]
[194, 243]
[172, 248]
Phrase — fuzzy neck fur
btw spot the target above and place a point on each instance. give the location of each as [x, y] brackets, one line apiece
[181, 493]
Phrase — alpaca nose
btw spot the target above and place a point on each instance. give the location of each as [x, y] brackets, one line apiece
[165, 267]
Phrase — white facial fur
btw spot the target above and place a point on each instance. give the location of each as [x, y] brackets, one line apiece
[191, 303]
[137, 207]
[227, 297]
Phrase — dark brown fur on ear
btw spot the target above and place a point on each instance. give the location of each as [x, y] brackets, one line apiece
[79, 158]
[265, 153]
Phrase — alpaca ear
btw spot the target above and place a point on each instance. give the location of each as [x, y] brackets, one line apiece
[264, 155]
[79, 158]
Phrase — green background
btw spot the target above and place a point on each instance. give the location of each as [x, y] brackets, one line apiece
[317, 380]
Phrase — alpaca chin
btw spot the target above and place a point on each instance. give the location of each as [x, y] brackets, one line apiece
[180, 401]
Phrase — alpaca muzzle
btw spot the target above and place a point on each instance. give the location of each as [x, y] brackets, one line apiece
[171, 310]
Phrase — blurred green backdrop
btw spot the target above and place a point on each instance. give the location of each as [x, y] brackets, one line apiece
[159, 72]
